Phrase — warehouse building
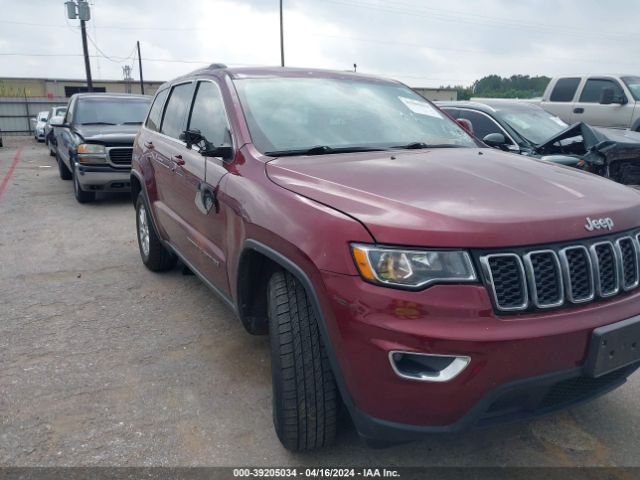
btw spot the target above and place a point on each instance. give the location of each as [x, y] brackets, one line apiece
[63, 88]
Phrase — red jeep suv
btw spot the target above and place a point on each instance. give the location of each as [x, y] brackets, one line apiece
[400, 267]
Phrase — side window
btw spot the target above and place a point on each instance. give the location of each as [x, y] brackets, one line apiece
[564, 90]
[592, 91]
[176, 110]
[155, 114]
[208, 114]
[482, 125]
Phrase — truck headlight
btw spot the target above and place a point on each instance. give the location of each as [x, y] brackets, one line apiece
[92, 153]
[412, 268]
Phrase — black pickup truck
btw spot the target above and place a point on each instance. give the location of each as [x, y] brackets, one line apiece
[94, 141]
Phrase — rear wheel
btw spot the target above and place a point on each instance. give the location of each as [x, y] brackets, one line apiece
[81, 195]
[154, 254]
[305, 400]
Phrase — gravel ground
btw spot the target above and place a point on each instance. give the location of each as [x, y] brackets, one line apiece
[105, 363]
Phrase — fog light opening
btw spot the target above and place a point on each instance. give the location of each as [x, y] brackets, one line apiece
[427, 367]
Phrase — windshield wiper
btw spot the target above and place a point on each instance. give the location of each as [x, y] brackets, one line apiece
[323, 150]
[420, 145]
[132, 123]
[97, 123]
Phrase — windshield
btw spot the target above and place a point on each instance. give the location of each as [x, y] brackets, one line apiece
[111, 111]
[534, 124]
[633, 84]
[290, 114]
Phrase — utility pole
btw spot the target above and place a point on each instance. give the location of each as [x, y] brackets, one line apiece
[81, 10]
[281, 38]
[140, 68]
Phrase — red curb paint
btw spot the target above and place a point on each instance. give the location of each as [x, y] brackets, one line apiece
[14, 163]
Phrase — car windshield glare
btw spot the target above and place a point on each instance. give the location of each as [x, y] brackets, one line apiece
[114, 111]
[534, 124]
[633, 84]
[291, 114]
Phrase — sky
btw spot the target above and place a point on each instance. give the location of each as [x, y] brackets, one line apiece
[424, 43]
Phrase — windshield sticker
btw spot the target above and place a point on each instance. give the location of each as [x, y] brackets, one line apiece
[421, 108]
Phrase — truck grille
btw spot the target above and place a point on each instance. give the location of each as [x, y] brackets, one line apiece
[120, 157]
[562, 274]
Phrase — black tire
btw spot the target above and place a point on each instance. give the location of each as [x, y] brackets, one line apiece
[305, 399]
[157, 258]
[64, 172]
[81, 195]
[51, 152]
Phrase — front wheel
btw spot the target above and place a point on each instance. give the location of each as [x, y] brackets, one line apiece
[154, 254]
[81, 195]
[65, 173]
[305, 399]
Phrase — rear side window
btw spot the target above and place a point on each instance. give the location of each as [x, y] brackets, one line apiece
[208, 114]
[155, 114]
[592, 91]
[175, 112]
[564, 90]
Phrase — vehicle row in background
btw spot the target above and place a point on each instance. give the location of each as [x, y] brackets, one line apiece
[599, 100]
[38, 128]
[48, 129]
[94, 141]
[527, 129]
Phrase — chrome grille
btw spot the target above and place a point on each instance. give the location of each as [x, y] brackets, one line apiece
[120, 157]
[564, 274]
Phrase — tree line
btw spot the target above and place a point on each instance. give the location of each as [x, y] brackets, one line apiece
[495, 86]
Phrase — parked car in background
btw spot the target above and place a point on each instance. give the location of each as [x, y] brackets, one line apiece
[94, 141]
[41, 120]
[48, 129]
[598, 100]
[527, 129]
[401, 268]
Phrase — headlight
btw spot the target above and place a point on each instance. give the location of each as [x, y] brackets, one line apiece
[412, 268]
[91, 153]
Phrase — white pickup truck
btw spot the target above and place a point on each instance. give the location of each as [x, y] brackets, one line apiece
[599, 100]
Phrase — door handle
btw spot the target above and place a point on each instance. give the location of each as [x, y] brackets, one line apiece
[578, 110]
[178, 159]
[148, 144]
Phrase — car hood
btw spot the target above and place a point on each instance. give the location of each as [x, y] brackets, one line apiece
[459, 197]
[108, 134]
[602, 145]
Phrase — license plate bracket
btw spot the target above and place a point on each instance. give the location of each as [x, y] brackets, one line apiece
[614, 346]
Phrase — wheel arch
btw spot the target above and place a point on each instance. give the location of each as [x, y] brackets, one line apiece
[249, 313]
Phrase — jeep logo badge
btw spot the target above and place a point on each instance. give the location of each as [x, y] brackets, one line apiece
[599, 224]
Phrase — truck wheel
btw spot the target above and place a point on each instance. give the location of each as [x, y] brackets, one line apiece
[305, 399]
[82, 196]
[154, 254]
[65, 174]
[49, 146]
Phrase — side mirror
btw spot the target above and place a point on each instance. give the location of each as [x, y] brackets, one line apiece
[57, 121]
[465, 124]
[223, 151]
[496, 140]
[191, 137]
[207, 149]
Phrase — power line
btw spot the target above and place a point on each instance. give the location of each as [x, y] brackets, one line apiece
[465, 50]
[424, 12]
